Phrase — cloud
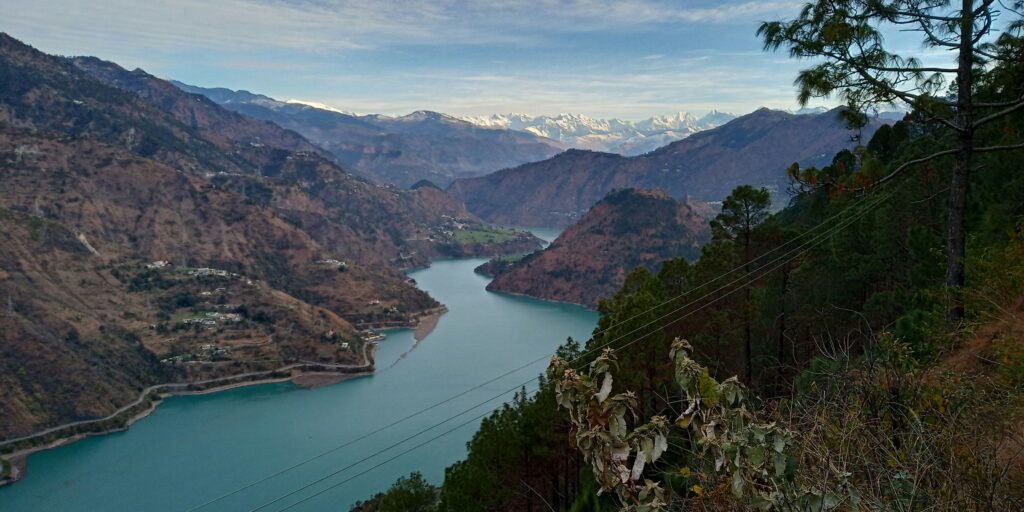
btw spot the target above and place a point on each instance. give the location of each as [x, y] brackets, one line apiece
[725, 81]
[333, 25]
[625, 58]
[731, 12]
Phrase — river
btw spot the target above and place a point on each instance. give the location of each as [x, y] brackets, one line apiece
[196, 448]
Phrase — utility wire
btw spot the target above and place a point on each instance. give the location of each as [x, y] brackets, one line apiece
[338, 484]
[810, 244]
[516, 369]
[692, 312]
[379, 464]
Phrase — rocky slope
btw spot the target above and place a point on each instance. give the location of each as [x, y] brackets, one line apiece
[590, 260]
[395, 220]
[84, 327]
[106, 170]
[401, 150]
[754, 149]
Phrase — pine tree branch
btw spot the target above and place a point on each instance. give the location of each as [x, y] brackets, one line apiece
[947, 152]
[911, 163]
[991, 56]
[942, 120]
[929, 33]
[990, 149]
[999, 104]
[997, 115]
[917, 14]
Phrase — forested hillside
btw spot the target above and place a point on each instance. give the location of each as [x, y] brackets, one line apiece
[590, 260]
[853, 390]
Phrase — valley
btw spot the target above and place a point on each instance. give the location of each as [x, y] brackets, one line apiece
[151, 237]
[289, 423]
[187, 240]
[219, 299]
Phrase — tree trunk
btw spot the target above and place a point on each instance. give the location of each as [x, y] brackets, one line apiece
[746, 335]
[782, 328]
[957, 237]
[957, 233]
[746, 307]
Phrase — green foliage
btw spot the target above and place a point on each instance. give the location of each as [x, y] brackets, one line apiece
[882, 271]
[409, 494]
[616, 450]
[852, 61]
[848, 353]
[742, 211]
[484, 235]
[520, 457]
[755, 457]
[917, 329]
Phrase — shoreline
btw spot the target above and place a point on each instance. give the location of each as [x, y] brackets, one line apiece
[423, 323]
[18, 459]
[412, 323]
[542, 299]
[426, 325]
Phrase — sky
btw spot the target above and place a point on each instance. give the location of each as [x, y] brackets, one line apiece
[629, 59]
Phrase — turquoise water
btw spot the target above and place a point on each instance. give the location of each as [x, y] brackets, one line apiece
[195, 448]
[547, 234]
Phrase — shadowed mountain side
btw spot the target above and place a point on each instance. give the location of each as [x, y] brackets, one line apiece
[754, 149]
[590, 260]
[401, 150]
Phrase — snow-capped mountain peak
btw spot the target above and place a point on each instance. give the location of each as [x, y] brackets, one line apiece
[318, 105]
[611, 135]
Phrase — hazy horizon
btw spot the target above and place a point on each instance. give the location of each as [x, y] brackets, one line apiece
[631, 59]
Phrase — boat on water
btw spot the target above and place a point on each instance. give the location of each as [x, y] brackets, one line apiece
[373, 336]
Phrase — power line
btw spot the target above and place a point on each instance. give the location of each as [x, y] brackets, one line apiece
[379, 464]
[525, 365]
[810, 244]
[730, 292]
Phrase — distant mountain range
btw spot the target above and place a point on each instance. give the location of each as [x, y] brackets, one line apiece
[401, 150]
[440, 148]
[754, 149]
[627, 138]
[607, 135]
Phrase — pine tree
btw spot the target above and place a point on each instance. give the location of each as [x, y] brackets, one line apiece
[742, 211]
[847, 37]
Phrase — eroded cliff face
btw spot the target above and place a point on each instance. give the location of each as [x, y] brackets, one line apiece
[590, 260]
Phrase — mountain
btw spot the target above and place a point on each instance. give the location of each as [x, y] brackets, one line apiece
[401, 150]
[608, 135]
[803, 111]
[887, 115]
[85, 327]
[108, 170]
[754, 149]
[590, 260]
[398, 221]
